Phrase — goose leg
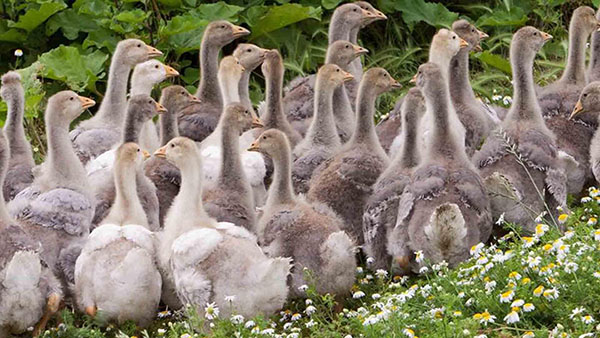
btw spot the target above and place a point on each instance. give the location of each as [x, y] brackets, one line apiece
[51, 308]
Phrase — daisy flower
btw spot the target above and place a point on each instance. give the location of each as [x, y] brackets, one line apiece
[409, 332]
[507, 296]
[486, 318]
[512, 317]
[562, 218]
[528, 334]
[587, 319]
[476, 249]
[517, 303]
[576, 311]
[538, 291]
[211, 311]
[419, 257]
[358, 295]
[528, 307]
[18, 52]
[551, 294]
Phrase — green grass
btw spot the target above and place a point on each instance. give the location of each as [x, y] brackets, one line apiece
[558, 273]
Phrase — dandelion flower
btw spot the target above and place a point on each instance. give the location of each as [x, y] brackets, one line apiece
[528, 307]
[587, 319]
[512, 317]
[538, 291]
[18, 52]
[507, 296]
[211, 311]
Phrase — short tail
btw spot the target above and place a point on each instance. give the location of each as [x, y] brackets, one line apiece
[338, 254]
[446, 234]
[274, 279]
[24, 271]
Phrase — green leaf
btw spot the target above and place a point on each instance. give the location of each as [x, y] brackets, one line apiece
[34, 17]
[71, 23]
[434, 14]
[182, 24]
[516, 17]
[217, 11]
[11, 34]
[134, 16]
[170, 3]
[97, 8]
[182, 33]
[330, 4]
[281, 16]
[102, 37]
[78, 71]
[495, 61]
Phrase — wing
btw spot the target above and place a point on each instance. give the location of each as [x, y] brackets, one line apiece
[361, 170]
[17, 179]
[426, 183]
[89, 144]
[198, 121]
[471, 190]
[493, 149]
[67, 259]
[556, 181]
[279, 223]
[106, 160]
[304, 167]
[538, 149]
[298, 99]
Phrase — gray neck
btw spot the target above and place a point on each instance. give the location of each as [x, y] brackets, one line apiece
[440, 59]
[281, 190]
[231, 173]
[461, 91]
[132, 128]
[575, 69]
[127, 203]
[410, 155]
[273, 115]
[339, 29]
[355, 68]
[443, 142]
[594, 72]
[62, 163]
[190, 193]
[19, 147]
[168, 127]
[5, 218]
[525, 105]
[243, 89]
[322, 130]
[364, 133]
[114, 104]
[208, 90]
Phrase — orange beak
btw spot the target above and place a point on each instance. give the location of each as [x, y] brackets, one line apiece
[194, 99]
[239, 31]
[380, 15]
[257, 123]
[577, 110]
[413, 79]
[153, 52]
[348, 77]
[145, 154]
[254, 146]
[478, 48]
[86, 102]
[358, 51]
[482, 35]
[171, 72]
[160, 108]
[463, 43]
[546, 36]
[161, 152]
[396, 84]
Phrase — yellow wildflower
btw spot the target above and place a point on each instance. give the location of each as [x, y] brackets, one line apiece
[562, 218]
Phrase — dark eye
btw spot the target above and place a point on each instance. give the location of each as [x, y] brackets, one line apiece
[223, 26]
[249, 50]
[156, 66]
[172, 145]
[139, 45]
[384, 74]
[337, 70]
[534, 33]
[246, 112]
[71, 98]
[585, 95]
[264, 137]
[149, 102]
[454, 37]
[138, 150]
[354, 10]
[473, 30]
[182, 93]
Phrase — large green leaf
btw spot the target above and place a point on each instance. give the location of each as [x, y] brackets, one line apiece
[134, 16]
[515, 17]
[11, 34]
[102, 37]
[71, 23]
[95, 8]
[330, 4]
[33, 17]
[217, 11]
[414, 11]
[281, 16]
[68, 65]
[495, 61]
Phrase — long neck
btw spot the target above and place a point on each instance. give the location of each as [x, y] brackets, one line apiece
[114, 104]
[61, 161]
[140, 85]
[5, 219]
[322, 130]
[410, 156]
[440, 59]
[443, 140]
[274, 111]
[229, 88]
[190, 193]
[460, 90]
[594, 72]
[525, 105]
[364, 132]
[243, 89]
[168, 127]
[127, 203]
[339, 29]
[19, 147]
[575, 69]
[355, 67]
[208, 90]
[231, 172]
[342, 108]
[132, 128]
[281, 190]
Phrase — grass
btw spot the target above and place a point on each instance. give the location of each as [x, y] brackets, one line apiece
[539, 286]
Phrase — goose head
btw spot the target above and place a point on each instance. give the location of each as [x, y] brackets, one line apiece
[354, 15]
[469, 33]
[380, 80]
[130, 155]
[447, 43]
[240, 117]
[178, 151]
[250, 56]
[175, 97]
[273, 63]
[143, 108]
[231, 68]
[136, 51]
[220, 33]
[585, 18]
[429, 78]
[334, 75]
[342, 52]
[528, 41]
[11, 86]
[271, 143]
[589, 100]
[377, 15]
[68, 105]
[153, 71]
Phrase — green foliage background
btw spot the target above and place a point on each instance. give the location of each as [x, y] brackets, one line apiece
[67, 44]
